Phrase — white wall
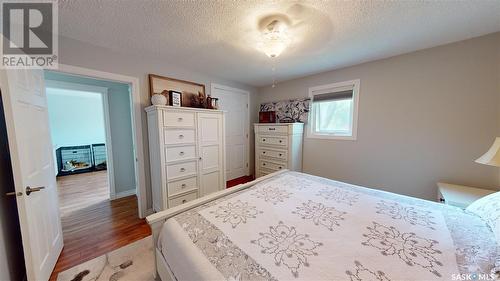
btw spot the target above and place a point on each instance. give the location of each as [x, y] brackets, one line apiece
[77, 53]
[423, 117]
[76, 118]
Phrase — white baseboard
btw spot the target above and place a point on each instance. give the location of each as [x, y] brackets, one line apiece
[124, 194]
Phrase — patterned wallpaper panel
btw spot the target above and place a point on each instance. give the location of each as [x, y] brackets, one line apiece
[289, 110]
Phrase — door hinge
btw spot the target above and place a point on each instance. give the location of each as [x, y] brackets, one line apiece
[247, 164]
[247, 105]
[247, 136]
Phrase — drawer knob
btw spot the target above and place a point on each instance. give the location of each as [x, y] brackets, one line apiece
[181, 153]
[263, 139]
[183, 169]
[183, 185]
[263, 164]
[184, 201]
[281, 141]
[280, 167]
[272, 129]
[180, 119]
[263, 152]
[281, 154]
[181, 136]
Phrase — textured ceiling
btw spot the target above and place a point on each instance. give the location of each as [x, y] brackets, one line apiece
[220, 37]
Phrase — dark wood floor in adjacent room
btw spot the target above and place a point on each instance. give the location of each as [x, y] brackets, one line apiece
[90, 231]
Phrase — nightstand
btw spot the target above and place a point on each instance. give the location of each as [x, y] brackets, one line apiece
[460, 195]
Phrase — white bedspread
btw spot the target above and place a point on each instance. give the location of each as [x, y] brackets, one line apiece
[300, 227]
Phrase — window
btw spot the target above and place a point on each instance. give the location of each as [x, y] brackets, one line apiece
[334, 111]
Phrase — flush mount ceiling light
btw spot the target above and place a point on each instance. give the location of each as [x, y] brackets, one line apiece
[275, 39]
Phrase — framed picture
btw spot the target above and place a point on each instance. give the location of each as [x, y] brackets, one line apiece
[174, 98]
[188, 90]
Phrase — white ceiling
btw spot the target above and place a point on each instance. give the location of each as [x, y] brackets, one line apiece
[220, 37]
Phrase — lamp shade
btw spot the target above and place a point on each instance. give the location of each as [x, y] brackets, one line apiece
[492, 156]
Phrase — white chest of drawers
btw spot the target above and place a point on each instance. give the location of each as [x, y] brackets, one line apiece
[187, 157]
[277, 147]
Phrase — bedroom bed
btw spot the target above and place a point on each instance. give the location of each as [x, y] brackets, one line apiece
[294, 226]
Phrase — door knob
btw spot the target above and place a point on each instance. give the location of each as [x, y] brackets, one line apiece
[13, 193]
[29, 190]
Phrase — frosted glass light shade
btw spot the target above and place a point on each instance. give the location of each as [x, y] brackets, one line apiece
[492, 156]
[275, 39]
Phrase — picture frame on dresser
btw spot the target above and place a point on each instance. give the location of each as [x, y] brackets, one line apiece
[163, 85]
[175, 98]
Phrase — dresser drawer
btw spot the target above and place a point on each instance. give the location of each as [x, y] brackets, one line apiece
[264, 172]
[181, 170]
[180, 186]
[178, 119]
[281, 141]
[179, 136]
[273, 129]
[181, 153]
[272, 166]
[182, 199]
[282, 155]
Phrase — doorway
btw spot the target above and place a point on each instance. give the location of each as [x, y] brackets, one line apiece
[91, 127]
[81, 143]
[102, 230]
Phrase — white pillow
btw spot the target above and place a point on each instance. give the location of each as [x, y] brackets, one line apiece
[488, 208]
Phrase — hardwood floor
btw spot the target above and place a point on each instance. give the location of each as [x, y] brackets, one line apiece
[239, 180]
[92, 224]
[93, 229]
[80, 191]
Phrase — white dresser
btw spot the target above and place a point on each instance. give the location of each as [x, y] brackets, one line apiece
[278, 146]
[186, 151]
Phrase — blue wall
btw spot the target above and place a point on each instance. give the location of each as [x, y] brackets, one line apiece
[120, 115]
[76, 118]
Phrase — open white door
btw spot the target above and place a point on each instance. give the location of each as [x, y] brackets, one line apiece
[26, 116]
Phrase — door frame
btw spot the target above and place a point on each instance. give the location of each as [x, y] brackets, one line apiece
[103, 91]
[213, 88]
[136, 112]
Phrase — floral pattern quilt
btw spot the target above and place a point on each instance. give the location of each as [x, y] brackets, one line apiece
[295, 226]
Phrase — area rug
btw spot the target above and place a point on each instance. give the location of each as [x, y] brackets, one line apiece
[129, 263]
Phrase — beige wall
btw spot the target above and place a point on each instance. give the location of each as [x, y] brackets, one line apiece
[76, 53]
[423, 117]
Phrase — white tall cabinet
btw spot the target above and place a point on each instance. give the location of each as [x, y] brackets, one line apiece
[186, 151]
[278, 146]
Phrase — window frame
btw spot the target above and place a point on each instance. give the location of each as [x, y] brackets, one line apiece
[312, 115]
